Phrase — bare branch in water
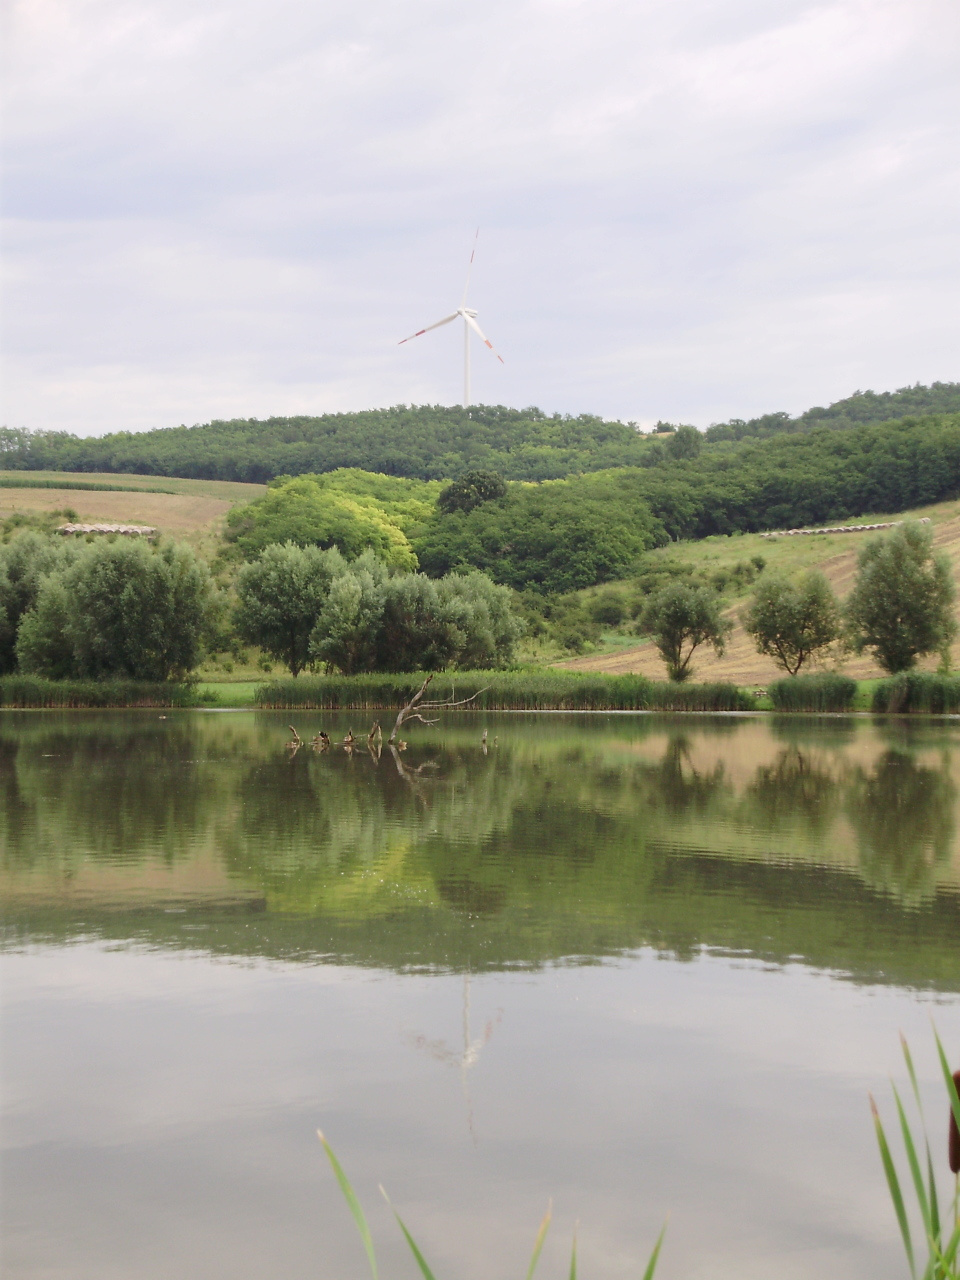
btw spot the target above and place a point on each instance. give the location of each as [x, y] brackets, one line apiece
[416, 705]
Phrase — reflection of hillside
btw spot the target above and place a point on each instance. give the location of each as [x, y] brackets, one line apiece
[575, 837]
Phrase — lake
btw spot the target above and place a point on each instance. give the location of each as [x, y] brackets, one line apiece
[637, 965]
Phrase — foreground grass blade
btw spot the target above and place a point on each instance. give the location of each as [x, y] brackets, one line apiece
[893, 1182]
[573, 1258]
[350, 1196]
[652, 1264]
[538, 1243]
[420, 1259]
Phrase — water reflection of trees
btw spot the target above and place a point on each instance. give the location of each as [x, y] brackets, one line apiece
[676, 785]
[570, 826]
[795, 790]
[108, 793]
[903, 814]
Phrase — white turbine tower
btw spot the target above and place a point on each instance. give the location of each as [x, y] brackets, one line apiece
[469, 317]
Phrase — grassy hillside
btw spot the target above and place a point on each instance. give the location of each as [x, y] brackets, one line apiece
[834, 554]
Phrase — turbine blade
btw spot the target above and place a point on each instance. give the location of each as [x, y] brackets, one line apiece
[445, 320]
[476, 328]
[466, 284]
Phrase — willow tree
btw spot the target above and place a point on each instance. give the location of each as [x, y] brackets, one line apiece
[902, 605]
[791, 622]
[680, 618]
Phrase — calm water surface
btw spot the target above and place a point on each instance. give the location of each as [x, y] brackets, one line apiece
[641, 965]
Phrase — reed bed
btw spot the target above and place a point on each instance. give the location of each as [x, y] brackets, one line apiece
[28, 692]
[826, 692]
[502, 691]
[917, 691]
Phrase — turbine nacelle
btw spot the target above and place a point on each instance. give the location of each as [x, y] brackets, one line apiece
[469, 318]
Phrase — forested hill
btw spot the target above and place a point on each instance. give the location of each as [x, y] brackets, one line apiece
[425, 442]
[429, 442]
[863, 408]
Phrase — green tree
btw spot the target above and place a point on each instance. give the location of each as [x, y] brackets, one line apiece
[372, 621]
[45, 642]
[470, 490]
[122, 609]
[419, 631]
[24, 562]
[685, 442]
[790, 621]
[902, 604]
[280, 597]
[681, 618]
[554, 537]
[483, 615]
[347, 632]
[308, 512]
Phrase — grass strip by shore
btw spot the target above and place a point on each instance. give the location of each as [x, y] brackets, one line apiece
[28, 692]
[504, 691]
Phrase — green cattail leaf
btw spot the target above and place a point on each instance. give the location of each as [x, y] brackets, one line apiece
[652, 1264]
[913, 1075]
[893, 1182]
[354, 1204]
[418, 1256]
[573, 1258]
[949, 1253]
[914, 1164]
[948, 1078]
[538, 1243]
[934, 1203]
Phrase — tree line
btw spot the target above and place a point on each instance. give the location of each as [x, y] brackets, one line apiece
[901, 608]
[559, 536]
[430, 442]
[109, 608]
[120, 608]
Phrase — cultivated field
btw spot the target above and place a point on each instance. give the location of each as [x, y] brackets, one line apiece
[835, 554]
[192, 506]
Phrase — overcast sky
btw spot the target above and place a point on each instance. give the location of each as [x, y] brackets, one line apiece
[689, 209]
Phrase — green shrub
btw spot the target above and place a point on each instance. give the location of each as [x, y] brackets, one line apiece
[917, 691]
[31, 692]
[827, 692]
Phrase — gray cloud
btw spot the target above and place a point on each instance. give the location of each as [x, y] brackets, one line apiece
[688, 210]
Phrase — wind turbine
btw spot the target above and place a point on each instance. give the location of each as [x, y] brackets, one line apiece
[469, 317]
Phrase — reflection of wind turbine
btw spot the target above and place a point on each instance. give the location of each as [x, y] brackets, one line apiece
[469, 317]
[465, 1058]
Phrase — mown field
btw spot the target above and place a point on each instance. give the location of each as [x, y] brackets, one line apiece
[834, 554]
[192, 507]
